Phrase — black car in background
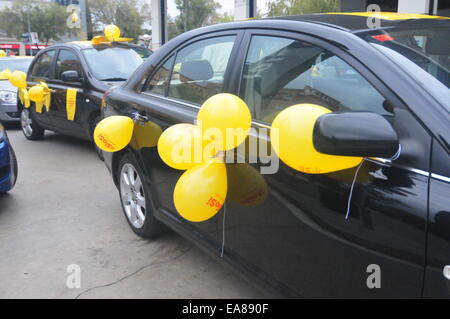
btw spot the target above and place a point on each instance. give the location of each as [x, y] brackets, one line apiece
[298, 240]
[92, 70]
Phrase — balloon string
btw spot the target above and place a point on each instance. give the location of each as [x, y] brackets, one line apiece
[351, 189]
[223, 229]
[393, 158]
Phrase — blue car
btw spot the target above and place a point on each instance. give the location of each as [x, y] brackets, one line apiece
[8, 163]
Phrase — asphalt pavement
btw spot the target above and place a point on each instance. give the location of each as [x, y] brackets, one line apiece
[63, 235]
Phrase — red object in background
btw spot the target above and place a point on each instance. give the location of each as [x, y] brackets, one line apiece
[9, 46]
[383, 37]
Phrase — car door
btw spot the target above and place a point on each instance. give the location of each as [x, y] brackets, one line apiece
[42, 70]
[437, 276]
[66, 60]
[292, 230]
[173, 93]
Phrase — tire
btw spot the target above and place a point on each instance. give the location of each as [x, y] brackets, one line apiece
[94, 123]
[134, 195]
[32, 130]
[15, 168]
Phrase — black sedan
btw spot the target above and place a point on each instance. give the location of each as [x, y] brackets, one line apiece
[396, 240]
[90, 70]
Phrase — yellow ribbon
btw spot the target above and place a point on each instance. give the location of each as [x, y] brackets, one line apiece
[40, 94]
[98, 40]
[24, 98]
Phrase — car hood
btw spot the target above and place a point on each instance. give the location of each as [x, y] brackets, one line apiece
[6, 86]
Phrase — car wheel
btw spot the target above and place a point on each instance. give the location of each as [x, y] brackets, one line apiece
[94, 123]
[135, 199]
[30, 128]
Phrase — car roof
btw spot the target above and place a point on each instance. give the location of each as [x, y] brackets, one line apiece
[358, 21]
[80, 45]
[14, 57]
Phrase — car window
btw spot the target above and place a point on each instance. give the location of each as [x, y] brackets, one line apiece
[43, 66]
[112, 63]
[144, 53]
[67, 61]
[159, 81]
[199, 69]
[280, 72]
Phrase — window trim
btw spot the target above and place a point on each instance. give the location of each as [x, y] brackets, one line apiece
[55, 80]
[144, 88]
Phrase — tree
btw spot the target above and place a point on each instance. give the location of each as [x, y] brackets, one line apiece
[193, 14]
[47, 19]
[225, 17]
[290, 7]
[123, 13]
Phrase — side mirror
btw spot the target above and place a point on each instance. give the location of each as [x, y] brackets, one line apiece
[360, 134]
[71, 76]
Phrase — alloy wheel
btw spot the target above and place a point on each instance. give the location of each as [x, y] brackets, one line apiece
[26, 122]
[133, 196]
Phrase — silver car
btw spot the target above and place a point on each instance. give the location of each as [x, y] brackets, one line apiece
[8, 93]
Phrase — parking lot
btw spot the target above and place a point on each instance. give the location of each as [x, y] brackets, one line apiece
[65, 210]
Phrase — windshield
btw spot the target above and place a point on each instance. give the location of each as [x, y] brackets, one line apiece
[114, 63]
[18, 64]
[424, 53]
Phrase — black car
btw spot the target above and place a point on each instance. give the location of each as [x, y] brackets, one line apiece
[92, 70]
[396, 241]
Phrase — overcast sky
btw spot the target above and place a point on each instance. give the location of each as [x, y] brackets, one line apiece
[227, 6]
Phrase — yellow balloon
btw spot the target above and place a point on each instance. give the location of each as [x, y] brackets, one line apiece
[111, 32]
[2, 53]
[221, 112]
[113, 133]
[181, 146]
[18, 79]
[36, 93]
[246, 185]
[292, 139]
[146, 135]
[201, 191]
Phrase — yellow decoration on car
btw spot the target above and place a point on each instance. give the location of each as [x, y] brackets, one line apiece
[201, 191]
[146, 135]
[19, 80]
[40, 95]
[181, 146]
[71, 103]
[36, 94]
[292, 139]
[111, 34]
[229, 116]
[389, 15]
[2, 53]
[113, 133]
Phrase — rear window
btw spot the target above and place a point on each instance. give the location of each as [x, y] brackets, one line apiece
[424, 53]
[114, 63]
